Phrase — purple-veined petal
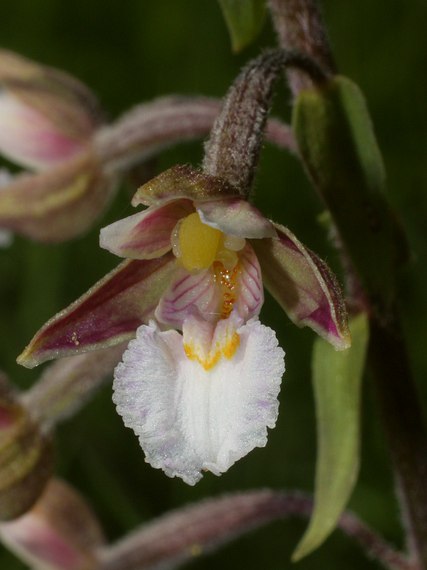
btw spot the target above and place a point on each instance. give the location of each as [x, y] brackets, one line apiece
[182, 181]
[57, 204]
[236, 217]
[109, 313]
[250, 292]
[189, 294]
[188, 418]
[214, 292]
[147, 234]
[304, 286]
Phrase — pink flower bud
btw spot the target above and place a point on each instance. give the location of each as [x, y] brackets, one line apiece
[59, 533]
[46, 116]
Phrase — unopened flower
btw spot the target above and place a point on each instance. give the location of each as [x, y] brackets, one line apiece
[199, 396]
[26, 457]
[47, 121]
[46, 116]
[60, 532]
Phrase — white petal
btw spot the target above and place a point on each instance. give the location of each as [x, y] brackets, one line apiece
[236, 217]
[189, 419]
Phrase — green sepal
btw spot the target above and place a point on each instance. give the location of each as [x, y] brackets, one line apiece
[337, 380]
[338, 146]
[244, 19]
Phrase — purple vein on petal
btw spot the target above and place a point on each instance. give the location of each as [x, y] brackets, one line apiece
[250, 293]
[304, 286]
[107, 314]
[147, 234]
[186, 295]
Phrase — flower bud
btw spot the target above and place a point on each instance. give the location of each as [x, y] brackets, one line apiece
[59, 533]
[46, 116]
[25, 458]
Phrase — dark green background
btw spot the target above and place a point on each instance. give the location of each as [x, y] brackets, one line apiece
[129, 51]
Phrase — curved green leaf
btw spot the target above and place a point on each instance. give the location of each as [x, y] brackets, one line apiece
[337, 386]
[244, 19]
[338, 146]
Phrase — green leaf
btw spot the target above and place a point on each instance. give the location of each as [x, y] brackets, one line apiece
[337, 386]
[244, 19]
[339, 149]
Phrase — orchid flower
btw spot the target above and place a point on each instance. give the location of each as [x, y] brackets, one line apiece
[200, 381]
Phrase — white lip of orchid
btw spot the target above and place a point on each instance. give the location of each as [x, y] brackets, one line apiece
[192, 418]
[197, 245]
[202, 399]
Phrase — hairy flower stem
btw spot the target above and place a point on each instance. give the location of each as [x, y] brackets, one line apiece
[405, 427]
[67, 384]
[184, 534]
[149, 128]
[300, 27]
[232, 151]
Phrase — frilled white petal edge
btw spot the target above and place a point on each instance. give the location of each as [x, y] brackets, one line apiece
[189, 419]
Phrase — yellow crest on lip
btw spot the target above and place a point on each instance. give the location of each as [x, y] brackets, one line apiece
[225, 347]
